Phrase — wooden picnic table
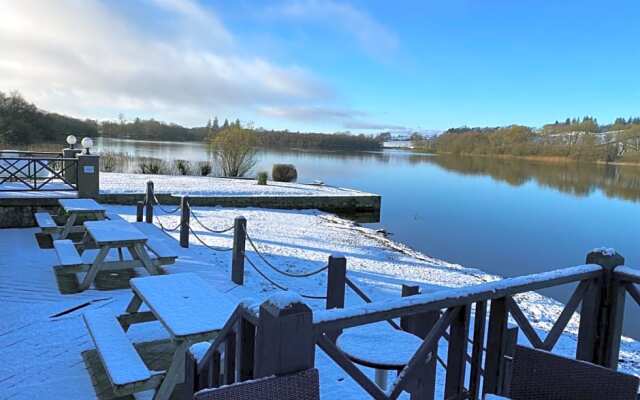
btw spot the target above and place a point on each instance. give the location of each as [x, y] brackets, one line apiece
[74, 208]
[116, 234]
[189, 309]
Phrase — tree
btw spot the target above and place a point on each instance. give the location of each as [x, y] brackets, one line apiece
[215, 125]
[235, 150]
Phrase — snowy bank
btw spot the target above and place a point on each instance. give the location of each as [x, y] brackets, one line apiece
[209, 186]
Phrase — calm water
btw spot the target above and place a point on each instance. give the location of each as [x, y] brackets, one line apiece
[508, 217]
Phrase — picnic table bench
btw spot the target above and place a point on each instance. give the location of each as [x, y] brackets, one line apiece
[74, 210]
[187, 307]
[108, 235]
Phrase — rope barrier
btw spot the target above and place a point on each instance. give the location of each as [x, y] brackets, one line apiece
[205, 244]
[195, 217]
[164, 210]
[262, 274]
[165, 228]
[289, 274]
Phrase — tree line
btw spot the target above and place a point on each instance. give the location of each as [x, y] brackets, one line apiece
[576, 138]
[22, 122]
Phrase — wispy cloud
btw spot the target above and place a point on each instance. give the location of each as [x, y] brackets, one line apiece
[87, 59]
[373, 36]
[347, 118]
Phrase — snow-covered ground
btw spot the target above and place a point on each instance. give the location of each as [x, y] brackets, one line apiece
[41, 355]
[111, 182]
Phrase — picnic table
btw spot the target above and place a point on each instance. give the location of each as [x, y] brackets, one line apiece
[75, 208]
[105, 236]
[188, 308]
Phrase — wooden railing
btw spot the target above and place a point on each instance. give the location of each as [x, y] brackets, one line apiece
[37, 171]
[281, 337]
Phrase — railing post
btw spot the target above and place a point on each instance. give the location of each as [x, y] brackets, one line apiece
[284, 337]
[148, 201]
[190, 375]
[496, 346]
[139, 211]
[237, 256]
[336, 281]
[456, 355]
[602, 312]
[70, 167]
[185, 215]
[88, 175]
[420, 325]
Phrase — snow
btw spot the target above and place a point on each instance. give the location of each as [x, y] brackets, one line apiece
[177, 298]
[285, 299]
[111, 182]
[108, 231]
[42, 355]
[199, 350]
[372, 343]
[81, 205]
[605, 251]
[122, 363]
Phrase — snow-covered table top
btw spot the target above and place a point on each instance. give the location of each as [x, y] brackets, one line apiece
[363, 345]
[184, 303]
[114, 232]
[81, 206]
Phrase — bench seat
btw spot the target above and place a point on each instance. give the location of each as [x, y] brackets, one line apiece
[125, 369]
[114, 217]
[46, 222]
[163, 253]
[67, 254]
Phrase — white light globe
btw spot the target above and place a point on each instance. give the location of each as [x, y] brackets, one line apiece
[87, 142]
[71, 140]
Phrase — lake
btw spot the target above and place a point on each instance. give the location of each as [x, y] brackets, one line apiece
[504, 216]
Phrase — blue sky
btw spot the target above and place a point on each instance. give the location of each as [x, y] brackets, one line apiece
[363, 66]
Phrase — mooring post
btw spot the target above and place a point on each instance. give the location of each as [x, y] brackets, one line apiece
[237, 256]
[420, 325]
[139, 211]
[185, 215]
[149, 201]
[284, 337]
[602, 312]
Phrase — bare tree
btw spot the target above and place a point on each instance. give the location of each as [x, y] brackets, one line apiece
[234, 150]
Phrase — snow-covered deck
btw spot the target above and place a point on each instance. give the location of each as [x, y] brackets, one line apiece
[41, 354]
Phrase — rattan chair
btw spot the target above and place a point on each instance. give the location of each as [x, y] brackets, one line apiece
[299, 386]
[541, 375]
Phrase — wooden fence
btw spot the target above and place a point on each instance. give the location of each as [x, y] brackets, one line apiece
[277, 340]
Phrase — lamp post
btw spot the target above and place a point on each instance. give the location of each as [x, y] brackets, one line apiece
[71, 141]
[86, 143]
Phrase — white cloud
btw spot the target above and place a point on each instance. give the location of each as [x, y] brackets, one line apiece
[372, 35]
[348, 119]
[86, 59]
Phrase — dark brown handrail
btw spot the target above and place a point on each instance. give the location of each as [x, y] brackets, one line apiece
[327, 320]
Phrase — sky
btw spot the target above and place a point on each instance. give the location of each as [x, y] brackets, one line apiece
[310, 65]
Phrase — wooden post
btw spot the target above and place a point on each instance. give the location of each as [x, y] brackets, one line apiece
[336, 281]
[477, 349]
[237, 256]
[185, 215]
[246, 350]
[456, 355]
[149, 201]
[284, 339]
[139, 211]
[602, 312]
[420, 325]
[496, 346]
[190, 376]
[230, 359]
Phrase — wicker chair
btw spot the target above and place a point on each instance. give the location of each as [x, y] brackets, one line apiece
[540, 375]
[299, 386]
